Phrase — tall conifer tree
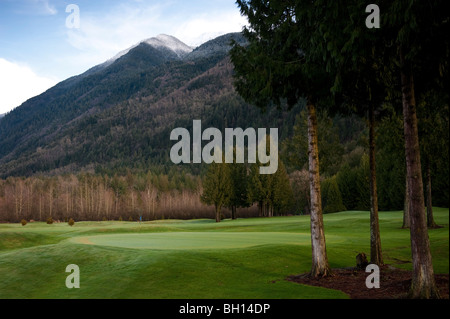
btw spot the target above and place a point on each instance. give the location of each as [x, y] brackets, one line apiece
[281, 66]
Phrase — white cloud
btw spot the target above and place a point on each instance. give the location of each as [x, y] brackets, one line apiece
[48, 8]
[204, 27]
[19, 83]
[101, 37]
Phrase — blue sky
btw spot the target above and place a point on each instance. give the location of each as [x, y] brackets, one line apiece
[38, 49]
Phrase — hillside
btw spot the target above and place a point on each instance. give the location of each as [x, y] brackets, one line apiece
[121, 113]
[116, 119]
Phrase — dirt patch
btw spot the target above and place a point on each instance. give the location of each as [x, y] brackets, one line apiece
[394, 283]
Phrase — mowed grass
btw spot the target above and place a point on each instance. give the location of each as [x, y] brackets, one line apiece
[197, 259]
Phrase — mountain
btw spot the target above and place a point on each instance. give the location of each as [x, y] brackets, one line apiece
[162, 41]
[119, 114]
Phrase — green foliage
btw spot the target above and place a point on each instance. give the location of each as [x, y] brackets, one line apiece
[346, 181]
[354, 186]
[23, 222]
[363, 183]
[295, 149]
[331, 196]
[418, 31]
[281, 64]
[283, 196]
[391, 168]
[433, 114]
[239, 185]
[49, 221]
[272, 193]
[71, 222]
[300, 191]
[217, 186]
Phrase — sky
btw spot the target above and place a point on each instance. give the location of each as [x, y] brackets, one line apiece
[43, 42]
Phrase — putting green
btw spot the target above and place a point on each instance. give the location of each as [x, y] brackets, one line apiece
[194, 240]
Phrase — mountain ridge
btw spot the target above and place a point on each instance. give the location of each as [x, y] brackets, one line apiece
[161, 40]
[121, 115]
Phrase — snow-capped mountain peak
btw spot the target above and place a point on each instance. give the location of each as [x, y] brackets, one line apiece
[170, 42]
[160, 41]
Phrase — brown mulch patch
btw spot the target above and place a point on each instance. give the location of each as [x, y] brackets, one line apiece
[394, 283]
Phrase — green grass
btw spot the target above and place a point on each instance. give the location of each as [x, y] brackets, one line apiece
[240, 259]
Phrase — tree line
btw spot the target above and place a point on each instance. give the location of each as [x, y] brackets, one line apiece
[132, 197]
[240, 185]
[93, 197]
[324, 53]
[158, 192]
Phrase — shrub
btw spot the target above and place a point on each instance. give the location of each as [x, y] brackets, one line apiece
[120, 219]
[130, 219]
[71, 222]
[49, 220]
[24, 222]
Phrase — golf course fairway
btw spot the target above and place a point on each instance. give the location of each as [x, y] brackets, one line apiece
[196, 259]
[195, 240]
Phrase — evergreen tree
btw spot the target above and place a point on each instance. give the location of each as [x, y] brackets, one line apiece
[391, 163]
[356, 59]
[281, 65]
[282, 191]
[273, 193]
[332, 197]
[346, 181]
[433, 126]
[300, 190]
[295, 149]
[363, 184]
[260, 190]
[217, 187]
[417, 34]
[239, 186]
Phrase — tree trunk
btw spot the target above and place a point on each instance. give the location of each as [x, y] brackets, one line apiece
[423, 282]
[320, 266]
[375, 241]
[430, 219]
[233, 212]
[50, 201]
[40, 207]
[217, 213]
[406, 209]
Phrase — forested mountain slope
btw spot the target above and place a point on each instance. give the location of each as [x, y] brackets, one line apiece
[121, 113]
